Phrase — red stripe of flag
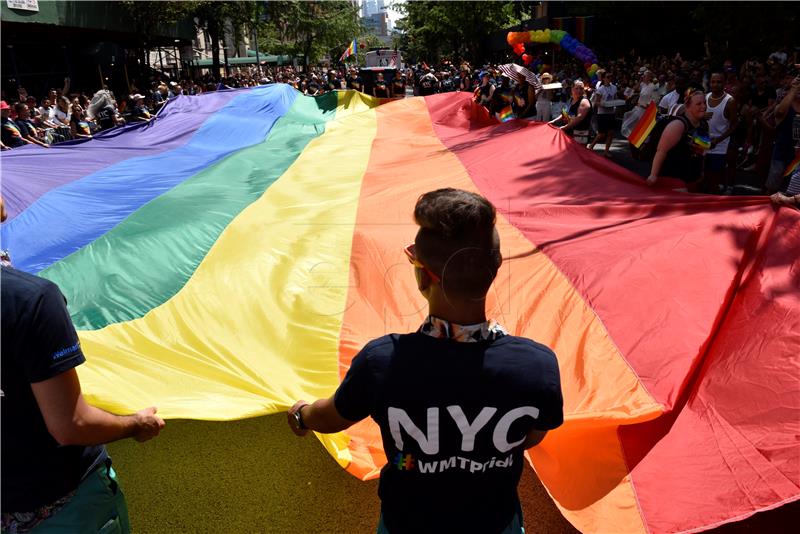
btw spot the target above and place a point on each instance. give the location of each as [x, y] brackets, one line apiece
[644, 126]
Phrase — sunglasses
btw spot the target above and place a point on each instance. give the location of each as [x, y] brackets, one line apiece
[411, 253]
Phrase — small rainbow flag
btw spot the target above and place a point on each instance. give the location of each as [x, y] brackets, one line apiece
[793, 166]
[702, 141]
[350, 50]
[506, 114]
[644, 126]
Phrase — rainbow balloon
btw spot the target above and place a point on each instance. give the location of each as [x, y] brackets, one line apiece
[234, 255]
[564, 40]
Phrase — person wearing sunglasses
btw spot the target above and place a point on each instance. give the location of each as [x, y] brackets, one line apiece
[459, 400]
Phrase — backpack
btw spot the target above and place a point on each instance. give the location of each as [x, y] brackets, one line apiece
[648, 149]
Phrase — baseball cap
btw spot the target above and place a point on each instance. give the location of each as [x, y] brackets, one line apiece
[4, 105]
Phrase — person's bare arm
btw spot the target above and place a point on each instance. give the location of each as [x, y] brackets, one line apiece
[583, 110]
[319, 416]
[732, 114]
[671, 136]
[72, 421]
[33, 141]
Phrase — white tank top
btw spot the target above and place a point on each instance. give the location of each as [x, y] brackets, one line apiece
[718, 123]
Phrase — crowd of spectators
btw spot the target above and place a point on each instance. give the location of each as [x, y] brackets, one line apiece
[751, 112]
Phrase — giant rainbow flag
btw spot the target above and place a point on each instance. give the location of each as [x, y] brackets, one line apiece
[233, 255]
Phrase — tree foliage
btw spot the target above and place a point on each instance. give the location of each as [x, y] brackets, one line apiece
[148, 16]
[309, 29]
[212, 16]
[432, 30]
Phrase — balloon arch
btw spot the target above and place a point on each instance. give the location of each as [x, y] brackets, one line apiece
[518, 40]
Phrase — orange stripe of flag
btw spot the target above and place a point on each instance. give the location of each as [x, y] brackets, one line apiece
[644, 126]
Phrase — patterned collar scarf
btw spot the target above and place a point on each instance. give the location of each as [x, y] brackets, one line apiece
[471, 333]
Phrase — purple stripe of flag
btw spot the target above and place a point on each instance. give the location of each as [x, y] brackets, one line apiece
[31, 171]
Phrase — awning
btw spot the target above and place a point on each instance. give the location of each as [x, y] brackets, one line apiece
[265, 58]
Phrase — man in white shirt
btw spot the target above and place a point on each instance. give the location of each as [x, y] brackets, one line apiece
[605, 115]
[672, 101]
[647, 94]
[722, 119]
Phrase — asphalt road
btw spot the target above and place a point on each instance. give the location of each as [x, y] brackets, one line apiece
[255, 476]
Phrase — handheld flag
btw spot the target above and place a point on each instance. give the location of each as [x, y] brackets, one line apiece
[350, 50]
[702, 141]
[644, 126]
[793, 166]
[506, 114]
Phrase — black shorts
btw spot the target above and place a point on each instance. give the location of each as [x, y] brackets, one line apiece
[606, 122]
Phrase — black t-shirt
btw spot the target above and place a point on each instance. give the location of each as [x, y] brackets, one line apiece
[105, 118]
[399, 88]
[11, 134]
[355, 83]
[685, 159]
[381, 89]
[421, 391]
[39, 342]
[427, 85]
[574, 108]
[26, 127]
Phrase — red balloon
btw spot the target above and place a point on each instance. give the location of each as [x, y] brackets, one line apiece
[526, 58]
[519, 49]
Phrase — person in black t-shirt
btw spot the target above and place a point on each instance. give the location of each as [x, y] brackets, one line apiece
[11, 134]
[56, 472]
[680, 149]
[333, 81]
[355, 81]
[459, 400]
[399, 86]
[428, 84]
[380, 89]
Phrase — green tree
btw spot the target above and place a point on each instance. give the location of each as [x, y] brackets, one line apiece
[309, 29]
[147, 17]
[432, 30]
[211, 16]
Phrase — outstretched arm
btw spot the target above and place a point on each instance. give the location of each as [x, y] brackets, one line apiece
[72, 421]
[319, 416]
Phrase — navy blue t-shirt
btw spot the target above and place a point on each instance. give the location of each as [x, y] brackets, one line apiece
[39, 342]
[453, 417]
